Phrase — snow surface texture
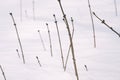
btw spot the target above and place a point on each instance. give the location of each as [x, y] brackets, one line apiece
[103, 62]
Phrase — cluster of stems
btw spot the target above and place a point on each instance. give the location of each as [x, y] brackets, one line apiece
[70, 38]
[68, 53]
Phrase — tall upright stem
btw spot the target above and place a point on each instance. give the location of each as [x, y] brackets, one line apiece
[18, 38]
[71, 42]
[62, 57]
[92, 24]
[49, 39]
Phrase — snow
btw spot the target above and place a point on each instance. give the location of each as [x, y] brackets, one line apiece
[103, 62]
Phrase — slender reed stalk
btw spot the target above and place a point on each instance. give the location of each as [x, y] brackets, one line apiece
[103, 21]
[70, 38]
[42, 40]
[3, 72]
[49, 39]
[72, 21]
[18, 53]
[38, 61]
[94, 37]
[62, 57]
[18, 38]
[115, 4]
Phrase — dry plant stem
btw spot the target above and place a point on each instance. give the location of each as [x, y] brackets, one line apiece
[103, 21]
[92, 24]
[115, 4]
[62, 57]
[49, 39]
[18, 53]
[3, 72]
[71, 42]
[38, 61]
[18, 38]
[42, 40]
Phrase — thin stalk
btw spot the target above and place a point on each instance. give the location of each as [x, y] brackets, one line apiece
[103, 21]
[18, 38]
[21, 10]
[62, 57]
[70, 44]
[115, 4]
[18, 53]
[3, 72]
[70, 38]
[38, 61]
[49, 39]
[42, 40]
[94, 37]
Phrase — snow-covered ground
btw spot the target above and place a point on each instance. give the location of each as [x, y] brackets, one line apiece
[103, 62]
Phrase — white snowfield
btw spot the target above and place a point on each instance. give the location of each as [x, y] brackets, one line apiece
[102, 62]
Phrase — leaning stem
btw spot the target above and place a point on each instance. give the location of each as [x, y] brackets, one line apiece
[59, 41]
[49, 39]
[18, 38]
[71, 42]
[103, 21]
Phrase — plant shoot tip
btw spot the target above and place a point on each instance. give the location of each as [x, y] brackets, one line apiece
[10, 13]
[46, 23]
[54, 15]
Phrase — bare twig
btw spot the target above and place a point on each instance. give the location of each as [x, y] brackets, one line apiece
[42, 40]
[103, 21]
[18, 38]
[72, 21]
[3, 72]
[70, 38]
[92, 24]
[62, 57]
[49, 39]
[38, 61]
